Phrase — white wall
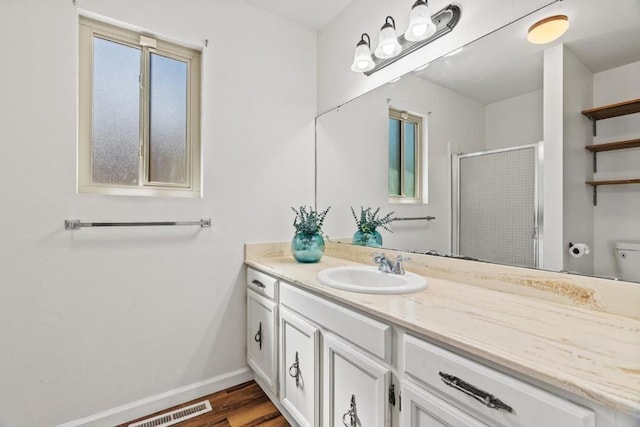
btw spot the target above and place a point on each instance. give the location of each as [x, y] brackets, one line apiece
[353, 155]
[337, 41]
[514, 121]
[577, 163]
[93, 319]
[552, 174]
[616, 216]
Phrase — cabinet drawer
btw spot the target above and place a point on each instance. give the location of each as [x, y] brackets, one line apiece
[531, 406]
[370, 334]
[262, 283]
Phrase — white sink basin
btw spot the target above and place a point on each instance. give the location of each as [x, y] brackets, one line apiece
[368, 280]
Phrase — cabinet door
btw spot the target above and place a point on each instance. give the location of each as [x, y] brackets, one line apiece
[261, 337]
[299, 368]
[355, 387]
[422, 409]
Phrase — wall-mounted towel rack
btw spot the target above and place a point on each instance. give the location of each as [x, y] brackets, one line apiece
[74, 224]
[418, 218]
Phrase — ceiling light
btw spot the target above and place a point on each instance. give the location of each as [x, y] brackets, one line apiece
[421, 25]
[548, 29]
[362, 60]
[388, 45]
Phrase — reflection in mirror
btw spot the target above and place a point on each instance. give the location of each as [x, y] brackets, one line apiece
[502, 164]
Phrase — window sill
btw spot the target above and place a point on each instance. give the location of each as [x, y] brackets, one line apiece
[185, 193]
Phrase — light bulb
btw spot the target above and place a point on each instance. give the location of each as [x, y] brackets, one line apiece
[388, 45]
[419, 30]
[362, 60]
[421, 25]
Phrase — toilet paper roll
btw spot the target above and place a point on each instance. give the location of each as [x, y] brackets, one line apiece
[577, 250]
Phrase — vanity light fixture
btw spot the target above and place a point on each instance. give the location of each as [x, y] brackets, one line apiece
[362, 60]
[548, 29]
[421, 26]
[423, 29]
[388, 45]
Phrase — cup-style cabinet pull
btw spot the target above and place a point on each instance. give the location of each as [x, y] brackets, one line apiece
[258, 336]
[294, 371]
[485, 398]
[350, 418]
[258, 283]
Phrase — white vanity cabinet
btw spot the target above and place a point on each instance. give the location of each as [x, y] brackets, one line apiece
[355, 387]
[262, 324]
[328, 364]
[299, 368]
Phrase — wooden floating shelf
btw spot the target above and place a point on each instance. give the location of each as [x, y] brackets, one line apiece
[613, 110]
[595, 185]
[614, 182]
[618, 145]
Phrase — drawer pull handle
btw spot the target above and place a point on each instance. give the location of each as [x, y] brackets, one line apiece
[294, 371]
[258, 283]
[485, 398]
[258, 336]
[350, 418]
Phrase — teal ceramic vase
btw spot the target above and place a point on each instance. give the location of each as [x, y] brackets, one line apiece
[373, 239]
[307, 248]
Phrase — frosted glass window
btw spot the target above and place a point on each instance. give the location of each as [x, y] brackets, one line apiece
[116, 112]
[404, 157]
[168, 119]
[138, 115]
[409, 163]
[394, 157]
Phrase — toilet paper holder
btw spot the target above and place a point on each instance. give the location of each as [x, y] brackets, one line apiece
[577, 250]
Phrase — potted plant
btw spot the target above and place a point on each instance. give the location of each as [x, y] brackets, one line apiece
[367, 223]
[308, 244]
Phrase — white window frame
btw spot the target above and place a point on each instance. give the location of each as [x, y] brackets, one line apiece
[88, 28]
[404, 116]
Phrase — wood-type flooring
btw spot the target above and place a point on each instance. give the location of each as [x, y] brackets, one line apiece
[241, 406]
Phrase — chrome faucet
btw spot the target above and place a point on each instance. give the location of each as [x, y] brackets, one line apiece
[387, 266]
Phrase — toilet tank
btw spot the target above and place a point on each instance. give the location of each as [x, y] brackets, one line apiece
[628, 260]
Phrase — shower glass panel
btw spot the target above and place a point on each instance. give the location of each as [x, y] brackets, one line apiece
[497, 211]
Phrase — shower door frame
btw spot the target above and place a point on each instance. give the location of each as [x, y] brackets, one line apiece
[538, 211]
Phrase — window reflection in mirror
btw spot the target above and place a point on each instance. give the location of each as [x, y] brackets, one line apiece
[405, 151]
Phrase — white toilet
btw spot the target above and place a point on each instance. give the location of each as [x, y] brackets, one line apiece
[628, 260]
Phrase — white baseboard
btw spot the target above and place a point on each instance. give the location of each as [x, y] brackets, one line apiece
[149, 405]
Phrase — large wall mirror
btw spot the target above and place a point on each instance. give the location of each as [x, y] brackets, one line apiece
[497, 166]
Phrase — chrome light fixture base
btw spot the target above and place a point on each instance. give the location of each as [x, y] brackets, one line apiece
[445, 19]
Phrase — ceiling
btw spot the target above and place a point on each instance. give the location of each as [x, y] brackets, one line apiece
[603, 35]
[313, 14]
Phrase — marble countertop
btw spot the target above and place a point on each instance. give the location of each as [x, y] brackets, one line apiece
[591, 354]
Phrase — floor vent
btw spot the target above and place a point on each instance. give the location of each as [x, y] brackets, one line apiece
[174, 417]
